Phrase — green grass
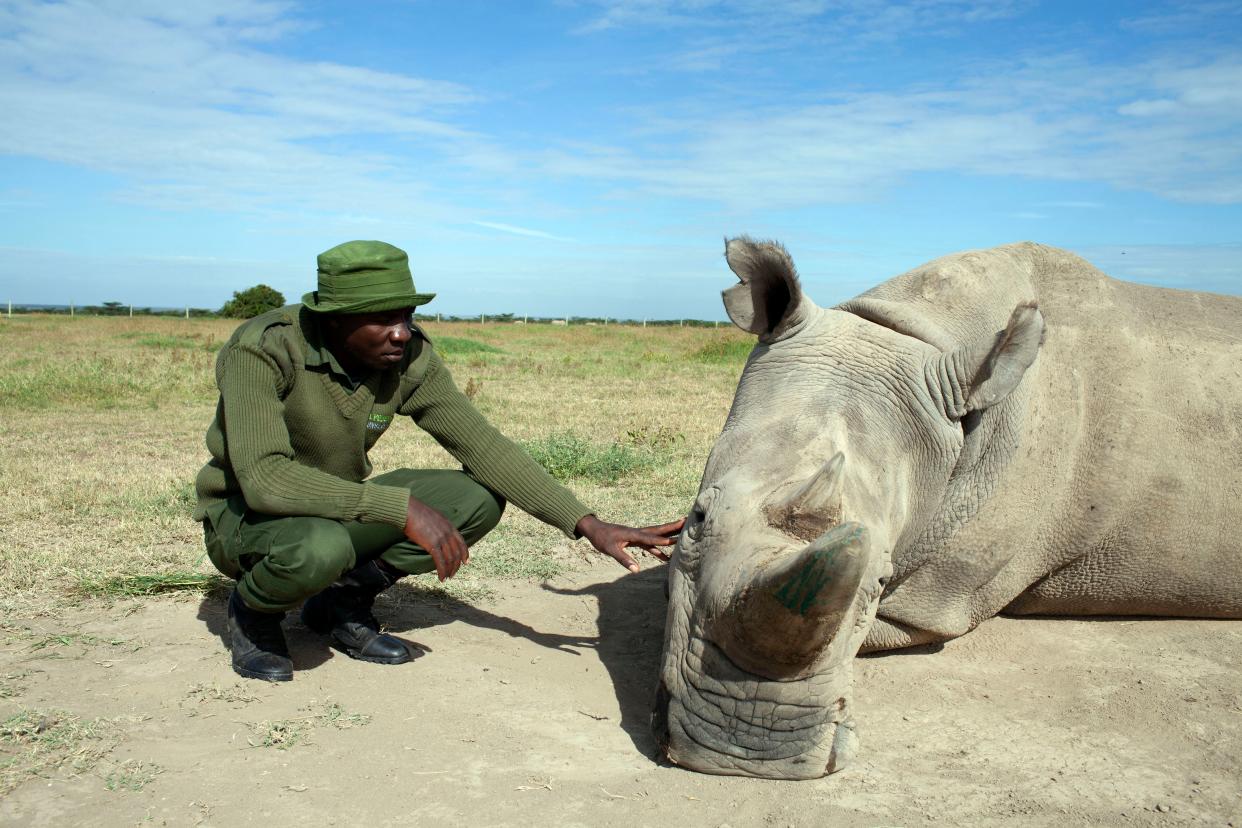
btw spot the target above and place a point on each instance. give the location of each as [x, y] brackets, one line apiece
[624, 415]
[462, 587]
[128, 586]
[174, 498]
[132, 775]
[723, 351]
[44, 743]
[165, 341]
[451, 346]
[655, 438]
[103, 382]
[567, 456]
[513, 550]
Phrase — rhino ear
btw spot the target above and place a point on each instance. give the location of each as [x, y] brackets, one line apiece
[769, 300]
[973, 378]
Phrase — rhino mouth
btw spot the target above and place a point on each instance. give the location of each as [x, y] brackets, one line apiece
[725, 720]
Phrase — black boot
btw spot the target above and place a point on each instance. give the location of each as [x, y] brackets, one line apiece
[258, 645]
[344, 609]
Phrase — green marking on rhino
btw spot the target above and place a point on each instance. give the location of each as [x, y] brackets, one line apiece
[801, 592]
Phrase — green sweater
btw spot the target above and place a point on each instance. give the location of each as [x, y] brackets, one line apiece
[291, 433]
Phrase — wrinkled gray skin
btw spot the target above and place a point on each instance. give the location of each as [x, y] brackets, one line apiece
[1002, 430]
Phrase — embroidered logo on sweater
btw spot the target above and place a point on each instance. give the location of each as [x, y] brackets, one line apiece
[378, 422]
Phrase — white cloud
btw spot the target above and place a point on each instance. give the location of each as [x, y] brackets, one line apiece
[519, 231]
[1049, 119]
[1184, 17]
[185, 107]
[747, 18]
[175, 99]
[1146, 109]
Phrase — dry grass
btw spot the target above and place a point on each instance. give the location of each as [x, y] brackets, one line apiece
[288, 733]
[102, 422]
[51, 743]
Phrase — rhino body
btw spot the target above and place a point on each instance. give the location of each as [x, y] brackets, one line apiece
[1007, 430]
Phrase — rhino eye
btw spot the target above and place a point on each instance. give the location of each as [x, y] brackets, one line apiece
[698, 515]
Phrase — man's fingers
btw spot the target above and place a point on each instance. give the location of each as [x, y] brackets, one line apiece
[437, 557]
[625, 559]
[462, 552]
[646, 539]
[457, 552]
[652, 551]
[448, 553]
[666, 529]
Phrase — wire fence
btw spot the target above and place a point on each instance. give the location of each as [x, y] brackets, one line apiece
[122, 309]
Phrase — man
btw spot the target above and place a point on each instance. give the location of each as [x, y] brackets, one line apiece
[287, 503]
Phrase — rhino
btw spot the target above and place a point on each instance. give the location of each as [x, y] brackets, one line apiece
[997, 431]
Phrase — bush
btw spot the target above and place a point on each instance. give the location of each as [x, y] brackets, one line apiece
[567, 456]
[724, 351]
[252, 302]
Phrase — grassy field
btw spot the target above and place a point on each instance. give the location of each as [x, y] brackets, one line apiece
[102, 422]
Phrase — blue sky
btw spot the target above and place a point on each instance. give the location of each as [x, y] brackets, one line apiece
[587, 157]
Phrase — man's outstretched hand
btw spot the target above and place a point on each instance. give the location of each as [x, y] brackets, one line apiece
[433, 532]
[612, 538]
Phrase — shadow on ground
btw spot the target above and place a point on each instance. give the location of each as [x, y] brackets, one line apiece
[631, 636]
[402, 610]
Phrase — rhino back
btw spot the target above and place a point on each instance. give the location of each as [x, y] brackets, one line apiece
[1149, 484]
[1111, 482]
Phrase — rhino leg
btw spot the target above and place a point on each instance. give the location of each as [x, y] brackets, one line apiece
[888, 634]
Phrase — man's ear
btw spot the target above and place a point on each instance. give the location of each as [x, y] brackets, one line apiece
[768, 301]
[975, 377]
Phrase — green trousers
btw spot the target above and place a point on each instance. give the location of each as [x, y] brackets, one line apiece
[279, 561]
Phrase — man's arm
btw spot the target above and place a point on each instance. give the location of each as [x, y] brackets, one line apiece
[613, 538]
[444, 412]
[262, 456]
[440, 409]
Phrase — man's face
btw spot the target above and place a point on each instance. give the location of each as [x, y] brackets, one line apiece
[370, 341]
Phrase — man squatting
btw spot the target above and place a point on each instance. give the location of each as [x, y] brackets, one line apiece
[286, 501]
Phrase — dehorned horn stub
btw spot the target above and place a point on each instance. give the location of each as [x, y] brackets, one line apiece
[781, 619]
[814, 507]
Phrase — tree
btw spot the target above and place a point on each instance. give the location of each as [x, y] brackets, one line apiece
[252, 302]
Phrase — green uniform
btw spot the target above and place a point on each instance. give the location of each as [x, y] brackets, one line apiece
[287, 500]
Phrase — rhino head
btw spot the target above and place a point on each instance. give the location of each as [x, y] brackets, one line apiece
[836, 454]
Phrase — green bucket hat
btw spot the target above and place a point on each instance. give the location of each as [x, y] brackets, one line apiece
[363, 277]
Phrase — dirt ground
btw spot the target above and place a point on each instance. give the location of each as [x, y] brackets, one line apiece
[531, 708]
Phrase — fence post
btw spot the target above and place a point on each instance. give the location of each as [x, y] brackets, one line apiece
[10, 309]
[131, 311]
[70, 310]
[644, 323]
